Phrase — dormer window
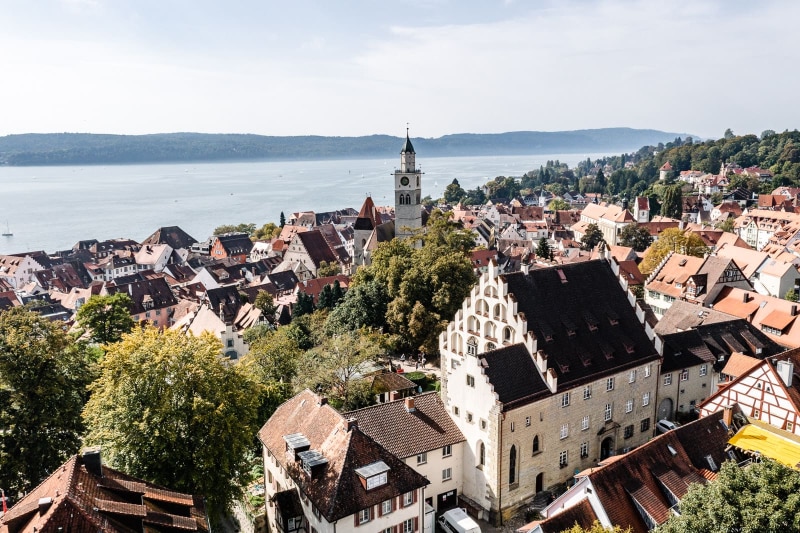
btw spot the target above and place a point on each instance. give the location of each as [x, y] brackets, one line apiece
[373, 475]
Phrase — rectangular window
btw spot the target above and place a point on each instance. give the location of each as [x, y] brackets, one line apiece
[469, 417]
[667, 379]
[645, 399]
[584, 449]
[629, 406]
[565, 399]
[386, 507]
[455, 410]
[447, 451]
[632, 376]
[684, 374]
[422, 458]
[447, 474]
[470, 381]
[703, 370]
[512, 427]
[587, 392]
[562, 459]
[585, 423]
[645, 424]
[607, 412]
[564, 431]
[527, 421]
[756, 413]
[408, 498]
[629, 431]
[790, 427]
[408, 526]
[610, 384]
[483, 424]
[647, 371]
[363, 516]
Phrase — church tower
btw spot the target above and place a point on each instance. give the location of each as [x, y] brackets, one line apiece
[407, 193]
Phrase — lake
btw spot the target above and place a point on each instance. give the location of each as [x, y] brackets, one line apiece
[51, 208]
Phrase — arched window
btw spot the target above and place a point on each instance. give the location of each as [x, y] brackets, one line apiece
[402, 199]
[536, 444]
[472, 346]
[408, 199]
[490, 346]
[481, 454]
[507, 334]
[512, 465]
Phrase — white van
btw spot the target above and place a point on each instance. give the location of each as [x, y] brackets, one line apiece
[458, 521]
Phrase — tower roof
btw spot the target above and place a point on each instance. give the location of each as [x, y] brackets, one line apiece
[407, 146]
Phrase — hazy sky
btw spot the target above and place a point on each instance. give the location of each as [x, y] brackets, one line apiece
[357, 67]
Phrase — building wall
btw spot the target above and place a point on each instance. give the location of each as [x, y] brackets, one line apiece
[685, 394]
[432, 469]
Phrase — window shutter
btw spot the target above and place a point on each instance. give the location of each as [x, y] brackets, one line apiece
[380, 509]
[355, 518]
[414, 500]
[416, 523]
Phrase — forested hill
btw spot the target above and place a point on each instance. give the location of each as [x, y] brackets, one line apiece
[88, 149]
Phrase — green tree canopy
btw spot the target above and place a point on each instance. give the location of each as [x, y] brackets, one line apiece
[453, 193]
[672, 205]
[762, 497]
[248, 228]
[544, 250]
[167, 408]
[597, 527]
[635, 236]
[106, 317]
[328, 269]
[558, 204]
[43, 380]
[672, 240]
[267, 231]
[362, 306]
[592, 237]
[266, 304]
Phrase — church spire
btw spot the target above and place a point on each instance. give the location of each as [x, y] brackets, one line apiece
[407, 146]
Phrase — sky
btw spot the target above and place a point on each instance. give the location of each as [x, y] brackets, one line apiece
[361, 67]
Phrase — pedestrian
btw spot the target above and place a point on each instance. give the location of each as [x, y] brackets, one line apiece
[416, 365]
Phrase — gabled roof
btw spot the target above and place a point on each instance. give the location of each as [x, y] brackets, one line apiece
[670, 462]
[235, 243]
[337, 492]
[317, 247]
[583, 342]
[80, 499]
[154, 293]
[368, 217]
[407, 433]
[174, 236]
[582, 514]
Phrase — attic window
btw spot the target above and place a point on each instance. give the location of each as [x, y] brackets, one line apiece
[682, 262]
[374, 475]
[613, 318]
[295, 444]
[608, 351]
[672, 450]
[313, 461]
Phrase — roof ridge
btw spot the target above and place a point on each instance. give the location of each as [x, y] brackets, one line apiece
[378, 405]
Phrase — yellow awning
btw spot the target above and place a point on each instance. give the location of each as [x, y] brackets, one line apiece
[770, 444]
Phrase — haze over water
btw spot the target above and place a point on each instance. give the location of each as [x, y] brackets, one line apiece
[51, 208]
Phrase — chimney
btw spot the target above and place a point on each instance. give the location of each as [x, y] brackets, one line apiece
[552, 380]
[410, 404]
[323, 400]
[91, 460]
[794, 310]
[745, 296]
[352, 423]
[727, 415]
[394, 396]
[525, 268]
[785, 371]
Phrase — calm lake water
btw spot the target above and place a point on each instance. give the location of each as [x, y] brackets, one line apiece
[51, 208]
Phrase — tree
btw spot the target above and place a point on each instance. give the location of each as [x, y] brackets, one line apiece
[558, 204]
[592, 237]
[248, 228]
[474, 196]
[267, 231]
[106, 317]
[453, 193]
[337, 366]
[266, 304]
[635, 236]
[169, 409]
[543, 250]
[761, 497]
[728, 134]
[43, 380]
[282, 220]
[596, 527]
[672, 240]
[672, 205]
[362, 306]
[328, 269]
[303, 306]
[791, 295]
[727, 225]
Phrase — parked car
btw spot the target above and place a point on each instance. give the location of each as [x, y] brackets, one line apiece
[457, 521]
[662, 426]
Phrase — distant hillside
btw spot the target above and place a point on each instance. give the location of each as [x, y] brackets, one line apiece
[87, 149]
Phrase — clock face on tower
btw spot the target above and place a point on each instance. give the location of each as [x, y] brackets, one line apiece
[404, 181]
